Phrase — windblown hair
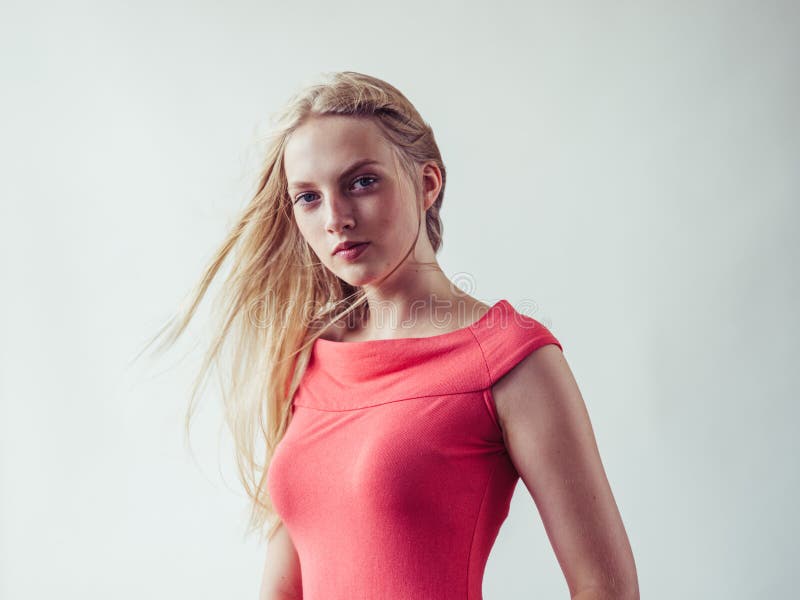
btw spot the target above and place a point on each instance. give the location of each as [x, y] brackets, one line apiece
[278, 298]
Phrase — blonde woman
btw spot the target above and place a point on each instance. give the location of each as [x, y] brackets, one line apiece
[395, 413]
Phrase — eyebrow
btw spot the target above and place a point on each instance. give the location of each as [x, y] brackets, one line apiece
[356, 165]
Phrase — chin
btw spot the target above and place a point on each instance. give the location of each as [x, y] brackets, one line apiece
[358, 275]
[356, 280]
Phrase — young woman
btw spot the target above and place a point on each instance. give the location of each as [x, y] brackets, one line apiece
[396, 413]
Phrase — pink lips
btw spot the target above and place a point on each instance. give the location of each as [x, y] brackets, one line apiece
[352, 252]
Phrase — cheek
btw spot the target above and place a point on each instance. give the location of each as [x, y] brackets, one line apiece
[309, 224]
[310, 232]
[400, 221]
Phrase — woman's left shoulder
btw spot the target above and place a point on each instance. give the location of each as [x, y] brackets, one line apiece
[539, 382]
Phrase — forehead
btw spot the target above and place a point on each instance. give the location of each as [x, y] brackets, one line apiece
[321, 147]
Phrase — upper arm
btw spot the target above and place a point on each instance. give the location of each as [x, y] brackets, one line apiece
[281, 578]
[551, 443]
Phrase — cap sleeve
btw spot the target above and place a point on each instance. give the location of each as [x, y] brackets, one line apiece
[508, 338]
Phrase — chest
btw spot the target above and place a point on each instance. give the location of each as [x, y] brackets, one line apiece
[395, 458]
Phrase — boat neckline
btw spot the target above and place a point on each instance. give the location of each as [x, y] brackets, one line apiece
[431, 338]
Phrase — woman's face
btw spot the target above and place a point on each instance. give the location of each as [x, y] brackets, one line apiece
[337, 196]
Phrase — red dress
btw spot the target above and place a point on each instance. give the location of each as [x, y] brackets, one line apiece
[393, 478]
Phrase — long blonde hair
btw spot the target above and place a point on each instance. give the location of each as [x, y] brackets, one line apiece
[277, 299]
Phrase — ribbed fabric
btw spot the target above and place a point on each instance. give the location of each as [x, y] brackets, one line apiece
[393, 477]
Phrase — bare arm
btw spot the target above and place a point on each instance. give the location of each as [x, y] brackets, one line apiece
[552, 444]
[281, 578]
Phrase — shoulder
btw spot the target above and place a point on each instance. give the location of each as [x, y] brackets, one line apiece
[476, 311]
[533, 385]
[507, 337]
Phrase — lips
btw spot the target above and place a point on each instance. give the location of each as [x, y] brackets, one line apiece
[347, 246]
[353, 252]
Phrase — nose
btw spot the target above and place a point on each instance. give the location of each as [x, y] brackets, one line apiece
[340, 213]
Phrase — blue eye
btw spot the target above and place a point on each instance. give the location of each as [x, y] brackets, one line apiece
[370, 177]
[371, 180]
[301, 196]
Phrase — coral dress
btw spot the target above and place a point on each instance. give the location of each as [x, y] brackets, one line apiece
[393, 478]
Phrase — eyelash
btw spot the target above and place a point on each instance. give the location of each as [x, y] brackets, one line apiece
[374, 179]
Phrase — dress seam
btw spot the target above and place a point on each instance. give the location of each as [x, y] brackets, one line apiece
[485, 362]
[488, 396]
[480, 390]
[475, 529]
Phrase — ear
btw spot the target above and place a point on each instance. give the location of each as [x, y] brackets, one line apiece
[431, 183]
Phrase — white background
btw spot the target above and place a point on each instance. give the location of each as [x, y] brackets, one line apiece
[627, 169]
